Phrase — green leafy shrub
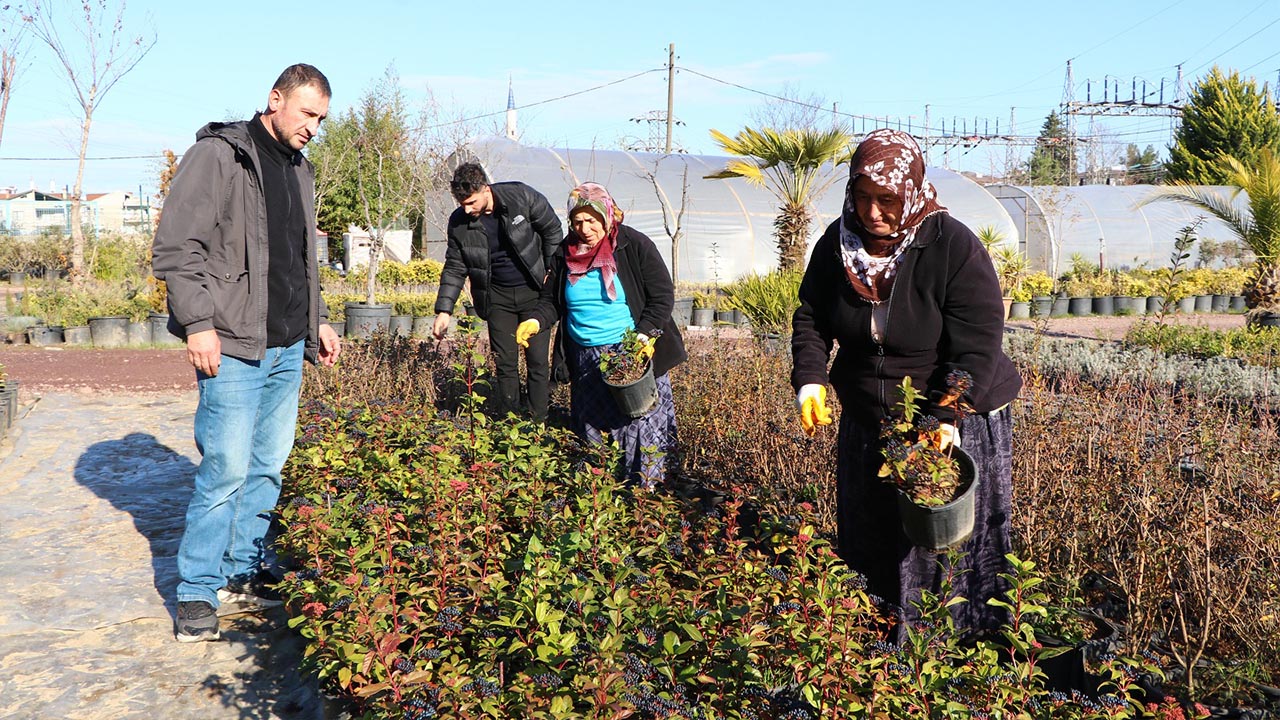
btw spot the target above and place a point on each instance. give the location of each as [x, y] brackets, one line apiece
[1038, 284]
[1254, 346]
[392, 273]
[767, 300]
[457, 567]
[61, 303]
[118, 258]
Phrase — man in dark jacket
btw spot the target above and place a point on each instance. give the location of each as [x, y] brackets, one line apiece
[236, 247]
[502, 237]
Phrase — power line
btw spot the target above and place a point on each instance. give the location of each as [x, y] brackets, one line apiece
[1233, 47]
[548, 100]
[1260, 62]
[1224, 32]
[1122, 32]
[103, 157]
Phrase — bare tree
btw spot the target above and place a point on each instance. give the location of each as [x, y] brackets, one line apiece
[672, 217]
[99, 54]
[795, 109]
[13, 45]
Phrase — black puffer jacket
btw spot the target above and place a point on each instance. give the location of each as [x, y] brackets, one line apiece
[650, 297]
[944, 313]
[532, 227]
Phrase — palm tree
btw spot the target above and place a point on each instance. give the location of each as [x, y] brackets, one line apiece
[1258, 227]
[790, 164]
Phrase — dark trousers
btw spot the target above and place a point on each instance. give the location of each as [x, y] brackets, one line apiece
[508, 306]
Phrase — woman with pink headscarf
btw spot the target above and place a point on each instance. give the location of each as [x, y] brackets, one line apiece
[907, 291]
[610, 279]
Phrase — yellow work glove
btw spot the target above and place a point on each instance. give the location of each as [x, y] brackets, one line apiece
[948, 436]
[526, 330]
[812, 402]
[649, 342]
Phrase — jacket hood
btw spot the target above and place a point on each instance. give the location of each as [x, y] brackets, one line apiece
[236, 133]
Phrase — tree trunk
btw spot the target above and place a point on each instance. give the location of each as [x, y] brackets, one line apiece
[77, 232]
[375, 253]
[8, 68]
[792, 230]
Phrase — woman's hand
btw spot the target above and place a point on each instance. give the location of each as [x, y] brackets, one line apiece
[526, 330]
[948, 436]
[812, 403]
[649, 342]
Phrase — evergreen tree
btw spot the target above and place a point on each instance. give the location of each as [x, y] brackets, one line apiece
[1052, 162]
[1143, 168]
[1225, 116]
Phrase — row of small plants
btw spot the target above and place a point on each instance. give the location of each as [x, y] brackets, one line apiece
[1257, 346]
[391, 274]
[59, 302]
[1091, 282]
[454, 566]
[415, 304]
[109, 257]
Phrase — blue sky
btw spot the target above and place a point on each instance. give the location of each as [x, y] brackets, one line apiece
[216, 61]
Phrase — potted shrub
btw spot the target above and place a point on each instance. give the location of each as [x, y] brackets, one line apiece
[767, 301]
[1079, 293]
[1039, 287]
[1103, 289]
[1019, 304]
[936, 487]
[1011, 266]
[704, 309]
[629, 376]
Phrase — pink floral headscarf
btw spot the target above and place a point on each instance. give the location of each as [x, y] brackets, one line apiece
[893, 160]
[580, 259]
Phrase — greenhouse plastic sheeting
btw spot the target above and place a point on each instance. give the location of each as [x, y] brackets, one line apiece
[1113, 226]
[727, 225]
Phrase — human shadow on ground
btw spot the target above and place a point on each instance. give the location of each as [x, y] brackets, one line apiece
[153, 483]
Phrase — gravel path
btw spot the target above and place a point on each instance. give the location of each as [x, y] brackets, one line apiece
[93, 486]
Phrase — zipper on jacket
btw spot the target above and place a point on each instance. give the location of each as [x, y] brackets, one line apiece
[884, 335]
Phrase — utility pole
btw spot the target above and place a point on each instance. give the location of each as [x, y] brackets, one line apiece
[671, 92]
[926, 134]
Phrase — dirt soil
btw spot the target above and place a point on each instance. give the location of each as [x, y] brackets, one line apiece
[90, 371]
[134, 370]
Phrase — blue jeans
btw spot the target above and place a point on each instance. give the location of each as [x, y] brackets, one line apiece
[244, 430]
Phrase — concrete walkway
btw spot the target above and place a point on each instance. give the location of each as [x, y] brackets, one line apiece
[93, 490]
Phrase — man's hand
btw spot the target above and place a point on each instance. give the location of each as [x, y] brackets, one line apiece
[441, 325]
[204, 351]
[330, 345]
[526, 330]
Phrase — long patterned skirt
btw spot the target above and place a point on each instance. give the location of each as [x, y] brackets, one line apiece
[646, 441]
[870, 533]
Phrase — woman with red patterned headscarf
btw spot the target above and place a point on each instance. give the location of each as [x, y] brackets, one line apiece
[908, 291]
[609, 279]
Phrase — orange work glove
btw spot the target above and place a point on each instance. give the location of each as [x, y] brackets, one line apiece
[649, 342]
[812, 402]
[526, 330]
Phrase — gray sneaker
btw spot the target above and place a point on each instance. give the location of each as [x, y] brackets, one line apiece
[197, 622]
[252, 592]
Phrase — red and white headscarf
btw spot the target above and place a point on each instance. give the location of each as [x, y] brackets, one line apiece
[892, 160]
[593, 198]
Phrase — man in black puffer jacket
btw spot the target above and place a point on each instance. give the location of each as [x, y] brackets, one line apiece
[502, 237]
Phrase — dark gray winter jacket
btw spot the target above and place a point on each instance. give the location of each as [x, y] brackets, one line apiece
[211, 247]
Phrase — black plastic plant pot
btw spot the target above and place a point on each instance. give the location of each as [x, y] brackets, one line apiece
[942, 526]
[636, 398]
